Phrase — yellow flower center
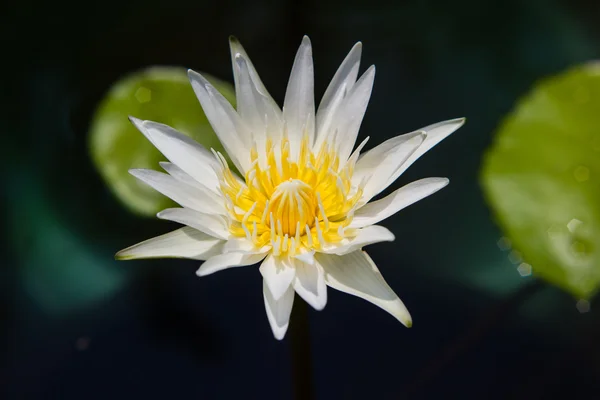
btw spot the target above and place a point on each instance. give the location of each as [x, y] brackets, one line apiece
[291, 205]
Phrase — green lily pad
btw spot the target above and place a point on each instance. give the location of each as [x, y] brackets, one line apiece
[542, 179]
[161, 94]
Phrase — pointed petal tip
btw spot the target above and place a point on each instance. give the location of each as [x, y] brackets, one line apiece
[408, 323]
[196, 76]
[138, 123]
[458, 121]
[125, 255]
[134, 171]
[455, 121]
[280, 334]
[318, 306]
[443, 182]
[419, 136]
[233, 40]
[202, 272]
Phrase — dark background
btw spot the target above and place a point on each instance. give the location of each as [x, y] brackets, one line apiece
[77, 325]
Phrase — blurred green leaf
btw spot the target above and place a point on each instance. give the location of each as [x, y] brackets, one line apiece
[161, 94]
[60, 269]
[542, 179]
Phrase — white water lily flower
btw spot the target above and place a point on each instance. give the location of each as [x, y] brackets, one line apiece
[302, 206]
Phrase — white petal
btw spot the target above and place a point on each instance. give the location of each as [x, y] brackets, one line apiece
[215, 194]
[435, 134]
[254, 104]
[186, 195]
[306, 256]
[354, 156]
[381, 169]
[184, 177]
[356, 274]
[242, 244]
[342, 82]
[210, 224]
[278, 273]
[299, 103]
[235, 48]
[381, 209]
[182, 151]
[278, 311]
[226, 122]
[179, 174]
[369, 161]
[228, 260]
[309, 283]
[181, 243]
[365, 236]
[351, 113]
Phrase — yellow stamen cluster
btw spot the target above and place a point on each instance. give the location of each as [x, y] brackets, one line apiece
[291, 205]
